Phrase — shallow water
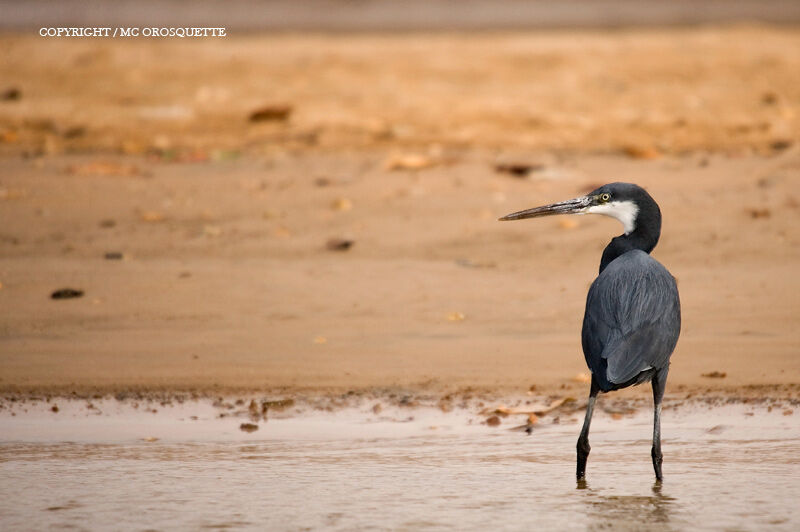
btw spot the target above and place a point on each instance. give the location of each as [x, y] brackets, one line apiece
[725, 469]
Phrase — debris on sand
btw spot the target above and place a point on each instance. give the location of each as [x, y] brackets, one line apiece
[555, 405]
[271, 113]
[11, 94]
[714, 375]
[769, 98]
[456, 316]
[339, 244]
[408, 401]
[780, 144]
[342, 204]
[635, 151]
[66, 293]
[277, 404]
[150, 439]
[54, 408]
[759, 213]
[501, 410]
[74, 132]
[114, 255]
[519, 170]
[493, 421]
[410, 161]
[528, 427]
[151, 216]
[255, 411]
[248, 427]
[377, 408]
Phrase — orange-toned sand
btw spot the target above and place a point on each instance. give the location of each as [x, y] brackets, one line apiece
[226, 282]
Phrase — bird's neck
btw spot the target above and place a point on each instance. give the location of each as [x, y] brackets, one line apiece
[644, 237]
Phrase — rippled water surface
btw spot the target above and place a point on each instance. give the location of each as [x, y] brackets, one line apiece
[724, 470]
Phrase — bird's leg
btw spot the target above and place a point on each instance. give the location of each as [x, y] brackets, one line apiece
[583, 439]
[659, 384]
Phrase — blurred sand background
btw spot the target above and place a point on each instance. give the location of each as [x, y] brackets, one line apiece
[226, 176]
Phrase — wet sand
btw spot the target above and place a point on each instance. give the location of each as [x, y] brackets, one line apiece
[726, 467]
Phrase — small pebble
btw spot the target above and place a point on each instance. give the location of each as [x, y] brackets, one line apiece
[66, 293]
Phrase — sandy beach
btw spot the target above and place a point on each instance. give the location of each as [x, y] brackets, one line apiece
[259, 283]
[346, 237]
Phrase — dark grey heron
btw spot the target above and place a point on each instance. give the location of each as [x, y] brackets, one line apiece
[633, 313]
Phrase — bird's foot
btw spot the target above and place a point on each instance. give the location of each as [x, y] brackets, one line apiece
[658, 459]
[583, 456]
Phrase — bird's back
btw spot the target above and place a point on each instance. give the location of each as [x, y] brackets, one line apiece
[632, 321]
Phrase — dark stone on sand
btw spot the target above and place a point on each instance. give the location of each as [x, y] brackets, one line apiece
[780, 145]
[66, 293]
[517, 169]
[276, 112]
[114, 255]
[248, 427]
[769, 98]
[11, 94]
[339, 244]
[74, 132]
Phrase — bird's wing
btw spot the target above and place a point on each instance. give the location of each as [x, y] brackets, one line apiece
[632, 319]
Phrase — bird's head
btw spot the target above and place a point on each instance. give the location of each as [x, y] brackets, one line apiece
[626, 202]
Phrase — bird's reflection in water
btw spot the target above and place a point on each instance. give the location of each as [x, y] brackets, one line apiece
[629, 512]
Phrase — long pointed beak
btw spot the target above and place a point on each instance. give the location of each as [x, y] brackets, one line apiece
[573, 206]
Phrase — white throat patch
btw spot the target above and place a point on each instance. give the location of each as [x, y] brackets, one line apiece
[624, 211]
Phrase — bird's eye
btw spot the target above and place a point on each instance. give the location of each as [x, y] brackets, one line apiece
[605, 197]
